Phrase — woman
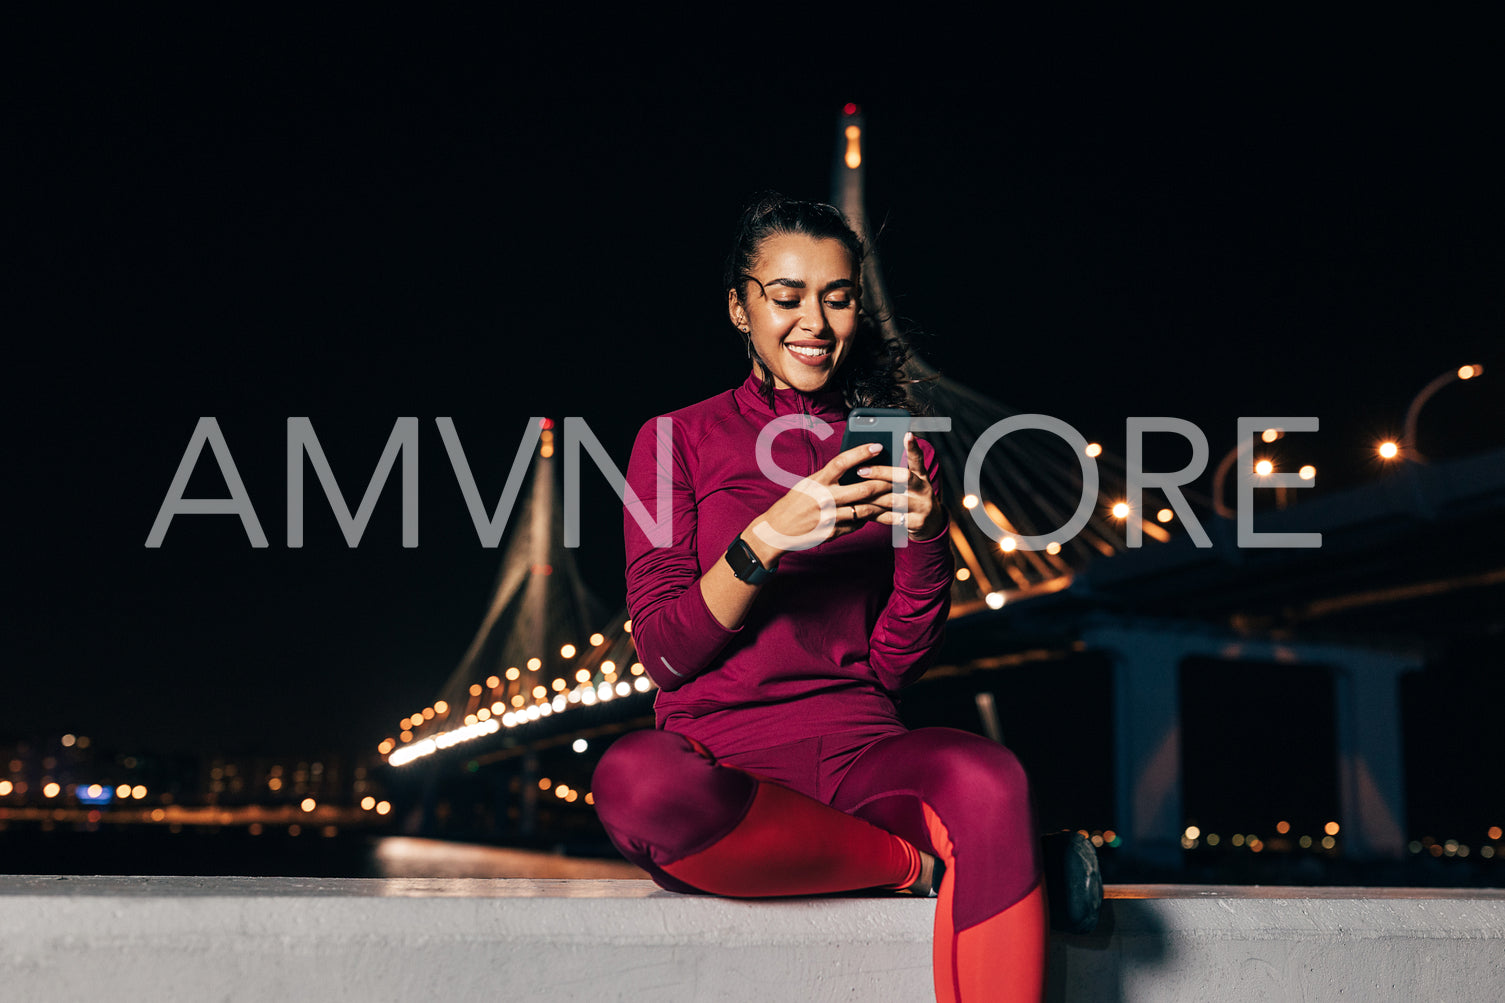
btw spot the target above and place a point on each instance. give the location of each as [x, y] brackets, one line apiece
[780, 766]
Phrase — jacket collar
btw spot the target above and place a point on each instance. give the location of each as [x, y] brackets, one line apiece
[827, 404]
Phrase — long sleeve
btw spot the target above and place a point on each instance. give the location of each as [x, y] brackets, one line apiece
[909, 628]
[828, 641]
[676, 635]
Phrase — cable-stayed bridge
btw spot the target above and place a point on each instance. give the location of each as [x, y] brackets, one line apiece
[1044, 571]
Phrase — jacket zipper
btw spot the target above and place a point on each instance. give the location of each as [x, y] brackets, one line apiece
[809, 433]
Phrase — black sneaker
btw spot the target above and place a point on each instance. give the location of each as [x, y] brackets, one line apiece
[1073, 881]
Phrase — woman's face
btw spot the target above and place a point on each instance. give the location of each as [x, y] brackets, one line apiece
[803, 319]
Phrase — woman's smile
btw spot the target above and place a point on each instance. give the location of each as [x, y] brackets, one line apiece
[810, 353]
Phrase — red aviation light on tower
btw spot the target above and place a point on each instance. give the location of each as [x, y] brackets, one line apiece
[850, 108]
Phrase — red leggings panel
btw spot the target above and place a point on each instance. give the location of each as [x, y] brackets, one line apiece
[790, 844]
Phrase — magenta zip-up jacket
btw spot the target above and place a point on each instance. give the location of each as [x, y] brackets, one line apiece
[829, 640]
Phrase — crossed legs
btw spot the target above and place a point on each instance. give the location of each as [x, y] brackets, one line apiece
[697, 826]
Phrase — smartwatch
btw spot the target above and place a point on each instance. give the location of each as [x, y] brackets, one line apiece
[745, 564]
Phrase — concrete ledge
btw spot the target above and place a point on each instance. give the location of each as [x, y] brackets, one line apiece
[158, 938]
[1190, 942]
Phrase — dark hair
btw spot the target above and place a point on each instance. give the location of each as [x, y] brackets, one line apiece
[873, 376]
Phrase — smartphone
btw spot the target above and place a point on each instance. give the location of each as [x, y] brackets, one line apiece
[884, 425]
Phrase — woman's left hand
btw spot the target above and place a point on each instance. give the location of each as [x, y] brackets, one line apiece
[922, 515]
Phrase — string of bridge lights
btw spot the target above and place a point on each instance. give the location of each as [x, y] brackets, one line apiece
[484, 721]
[1262, 468]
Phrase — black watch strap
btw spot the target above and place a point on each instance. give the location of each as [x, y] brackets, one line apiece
[745, 564]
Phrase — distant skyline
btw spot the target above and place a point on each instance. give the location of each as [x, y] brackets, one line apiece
[265, 227]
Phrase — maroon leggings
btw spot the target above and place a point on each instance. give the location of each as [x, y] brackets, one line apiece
[663, 798]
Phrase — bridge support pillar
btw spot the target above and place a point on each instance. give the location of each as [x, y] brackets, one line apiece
[1146, 741]
[527, 825]
[1147, 733]
[1371, 775]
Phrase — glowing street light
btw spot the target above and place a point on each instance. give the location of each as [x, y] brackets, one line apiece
[1225, 466]
[1388, 450]
[1408, 436]
[853, 158]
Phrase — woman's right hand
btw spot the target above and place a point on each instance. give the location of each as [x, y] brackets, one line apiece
[817, 509]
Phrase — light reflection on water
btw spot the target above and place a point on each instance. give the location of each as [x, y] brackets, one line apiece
[407, 857]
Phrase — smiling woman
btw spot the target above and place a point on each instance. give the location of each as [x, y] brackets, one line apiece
[780, 765]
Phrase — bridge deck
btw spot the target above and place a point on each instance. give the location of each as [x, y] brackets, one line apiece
[165, 938]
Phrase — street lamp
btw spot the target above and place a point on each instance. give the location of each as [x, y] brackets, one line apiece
[1408, 437]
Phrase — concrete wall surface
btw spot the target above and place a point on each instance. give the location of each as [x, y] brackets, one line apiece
[293, 939]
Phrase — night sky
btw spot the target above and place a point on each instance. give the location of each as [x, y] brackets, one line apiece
[375, 221]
